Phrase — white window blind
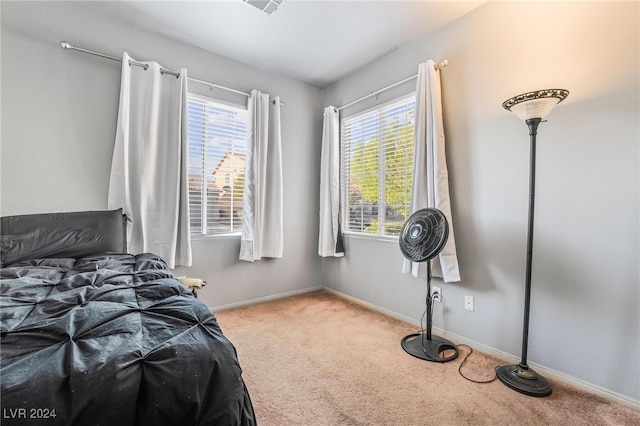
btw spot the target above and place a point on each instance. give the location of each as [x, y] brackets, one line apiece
[217, 134]
[377, 168]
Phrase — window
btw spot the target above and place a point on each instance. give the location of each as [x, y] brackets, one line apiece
[377, 168]
[216, 134]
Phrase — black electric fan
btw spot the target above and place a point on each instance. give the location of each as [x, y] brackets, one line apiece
[422, 238]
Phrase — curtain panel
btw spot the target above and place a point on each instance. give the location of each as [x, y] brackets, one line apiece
[149, 166]
[262, 220]
[330, 242]
[430, 186]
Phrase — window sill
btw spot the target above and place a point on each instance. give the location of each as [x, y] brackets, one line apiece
[233, 235]
[383, 238]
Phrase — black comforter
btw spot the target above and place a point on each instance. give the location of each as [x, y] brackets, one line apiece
[113, 339]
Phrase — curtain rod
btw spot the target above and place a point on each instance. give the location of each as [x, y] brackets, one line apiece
[397, 83]
[67, 46]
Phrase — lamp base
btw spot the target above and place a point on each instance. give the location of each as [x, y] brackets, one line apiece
[434, 349]
[524, 380]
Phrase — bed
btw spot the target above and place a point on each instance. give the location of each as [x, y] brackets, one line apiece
[93, 335]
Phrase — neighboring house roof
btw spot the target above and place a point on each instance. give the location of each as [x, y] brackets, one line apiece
[228, 156]
[228, 164]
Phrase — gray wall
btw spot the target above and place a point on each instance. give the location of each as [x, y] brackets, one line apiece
[59, 111]
[585, 322]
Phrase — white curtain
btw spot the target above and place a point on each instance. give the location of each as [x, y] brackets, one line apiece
[330, 237]
[430, 177]
[149, 166]
[262, 216]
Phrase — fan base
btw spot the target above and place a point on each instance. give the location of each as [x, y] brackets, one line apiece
[435, 349]
[524, 380]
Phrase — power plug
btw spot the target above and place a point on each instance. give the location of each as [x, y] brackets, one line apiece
[436, 294]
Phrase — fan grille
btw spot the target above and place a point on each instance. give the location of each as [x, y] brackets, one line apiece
[424, 235]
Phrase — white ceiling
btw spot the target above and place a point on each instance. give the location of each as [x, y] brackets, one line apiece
[316, 42]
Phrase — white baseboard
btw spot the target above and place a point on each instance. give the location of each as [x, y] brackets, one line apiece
[510, 359]
[264, 299]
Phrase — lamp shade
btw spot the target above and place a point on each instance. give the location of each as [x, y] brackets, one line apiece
[536, 104]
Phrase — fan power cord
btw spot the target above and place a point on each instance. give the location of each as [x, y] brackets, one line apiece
[423, 319]
[464, 360]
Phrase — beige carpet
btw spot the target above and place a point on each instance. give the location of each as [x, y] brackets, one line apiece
[317, 359]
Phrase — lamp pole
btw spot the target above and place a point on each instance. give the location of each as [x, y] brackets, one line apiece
[533, 131]
[520, 377]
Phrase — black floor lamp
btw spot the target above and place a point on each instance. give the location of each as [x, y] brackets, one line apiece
[530, 107]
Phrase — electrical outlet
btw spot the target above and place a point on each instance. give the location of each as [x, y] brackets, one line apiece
[468, 303]
[436, 294]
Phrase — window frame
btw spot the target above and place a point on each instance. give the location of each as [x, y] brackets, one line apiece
[199, 97]
[344, 205]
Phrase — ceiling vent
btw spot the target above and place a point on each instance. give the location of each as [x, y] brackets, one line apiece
[267, 6]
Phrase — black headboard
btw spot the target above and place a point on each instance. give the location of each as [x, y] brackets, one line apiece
[73, 234]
